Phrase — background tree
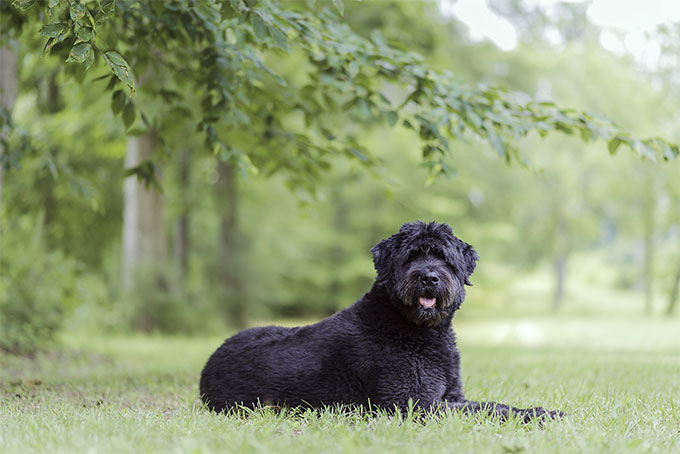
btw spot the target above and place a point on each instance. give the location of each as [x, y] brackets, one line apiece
[8, 91]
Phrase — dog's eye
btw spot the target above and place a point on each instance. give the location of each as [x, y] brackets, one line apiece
[414, 255]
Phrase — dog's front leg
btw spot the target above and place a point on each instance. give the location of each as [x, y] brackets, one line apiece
[503, 411]
[493, 409]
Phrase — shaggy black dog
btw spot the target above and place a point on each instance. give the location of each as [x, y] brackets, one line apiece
[393, 345]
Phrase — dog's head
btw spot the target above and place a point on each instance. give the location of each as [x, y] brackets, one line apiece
[424, 267]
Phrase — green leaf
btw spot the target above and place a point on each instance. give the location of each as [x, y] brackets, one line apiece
[5, 118]
[118, 99]
[77, 11]
[112, 82]
[669, 152]
[120, 68]
[392, 117]
[259, 26]
[339, 6]
[106, 11]
[614, 144]
[108, 6]
[428, 151]
[364, 109]
[79, 53]
[52, 3]
[647, 151]
[146, 172]
[89, 61]
[327, 77]
[280, 37]
[129, 115]
[170, 96]
[358, 154]
[23, 4]
[51, 42]
[495, 140]
[146, 121]
[85, 34]
[54, 30]
[353, 68]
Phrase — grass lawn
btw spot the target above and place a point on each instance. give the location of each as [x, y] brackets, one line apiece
[618, 380]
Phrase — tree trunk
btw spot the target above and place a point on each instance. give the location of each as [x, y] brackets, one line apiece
[228, 274]
[337, 253]
[647, 268]
[9, 85]
[560, 275]
[182, 229]
[560, 257]
[673, 299]
[52, 103]
[143, 228]
[648, 241]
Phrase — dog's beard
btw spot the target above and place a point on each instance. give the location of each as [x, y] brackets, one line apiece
[429, 305]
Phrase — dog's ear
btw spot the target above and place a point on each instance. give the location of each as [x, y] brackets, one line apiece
[463, 258]
[381, 258]
[470, 258]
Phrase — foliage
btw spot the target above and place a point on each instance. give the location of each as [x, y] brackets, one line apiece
[508, 213]
[73, 168]
[37, 288]
[308, 256]
[246, 112]
[162, 303]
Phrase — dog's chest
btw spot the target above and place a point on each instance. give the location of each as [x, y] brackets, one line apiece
[407, 368]
[429, 362]
[430, 374]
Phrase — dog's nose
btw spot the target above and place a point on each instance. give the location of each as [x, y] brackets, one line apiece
[431, 278]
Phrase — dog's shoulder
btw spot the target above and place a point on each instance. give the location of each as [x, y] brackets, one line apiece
[260, 332]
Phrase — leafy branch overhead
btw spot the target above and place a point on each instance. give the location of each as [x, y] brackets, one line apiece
[209, 62]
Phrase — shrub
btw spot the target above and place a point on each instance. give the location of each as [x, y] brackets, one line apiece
[36, 288]
[162, 302]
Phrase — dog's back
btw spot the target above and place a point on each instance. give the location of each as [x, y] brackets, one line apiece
[273, 365]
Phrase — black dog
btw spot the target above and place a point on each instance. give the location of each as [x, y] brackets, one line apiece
[393, 345]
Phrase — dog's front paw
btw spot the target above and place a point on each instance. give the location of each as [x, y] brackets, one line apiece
[540, 414]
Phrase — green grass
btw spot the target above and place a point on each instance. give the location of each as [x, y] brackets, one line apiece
[618, 380]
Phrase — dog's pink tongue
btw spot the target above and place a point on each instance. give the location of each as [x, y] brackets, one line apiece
[427, 302]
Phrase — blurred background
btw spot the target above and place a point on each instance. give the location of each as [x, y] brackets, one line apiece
[573, 233]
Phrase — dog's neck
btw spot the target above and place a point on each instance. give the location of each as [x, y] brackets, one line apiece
[378, 304]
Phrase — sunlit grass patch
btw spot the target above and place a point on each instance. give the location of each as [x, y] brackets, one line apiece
[140, 394]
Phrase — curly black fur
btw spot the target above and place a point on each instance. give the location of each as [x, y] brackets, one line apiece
[392, 346]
